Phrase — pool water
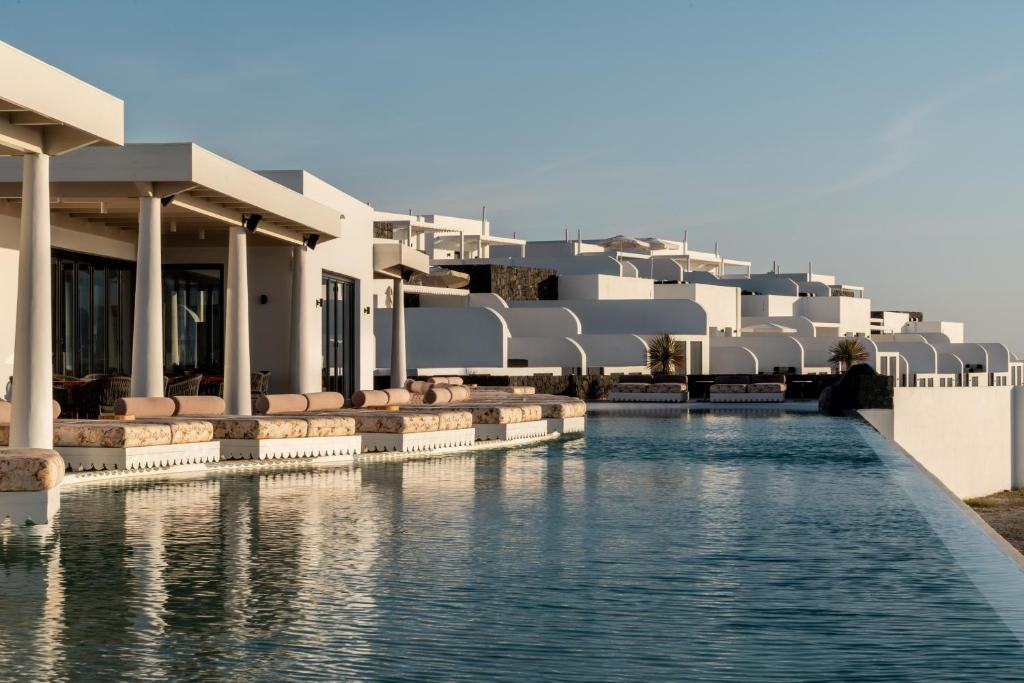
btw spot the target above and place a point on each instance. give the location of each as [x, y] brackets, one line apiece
[696, 547]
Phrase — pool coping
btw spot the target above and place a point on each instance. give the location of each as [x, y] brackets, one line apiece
[987, 560]
[977, 519]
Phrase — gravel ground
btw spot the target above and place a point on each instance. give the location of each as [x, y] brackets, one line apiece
[1004, 512]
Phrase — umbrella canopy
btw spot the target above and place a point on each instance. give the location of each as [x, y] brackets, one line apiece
[654, 243]
[623, 242]
[768, 328]
[442, 277]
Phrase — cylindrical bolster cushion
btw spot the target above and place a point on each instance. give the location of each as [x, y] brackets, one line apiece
[5, 411]
[198, 406]
[458, 392]
[279, 404]
[418, 386]
[144, 406]
[445, 380]
[438, 394]
[398, 397]
[369, 398]
[324, 400]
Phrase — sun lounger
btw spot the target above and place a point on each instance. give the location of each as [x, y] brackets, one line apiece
[748, 389]
[647, 389]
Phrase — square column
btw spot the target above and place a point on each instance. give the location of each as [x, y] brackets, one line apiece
[237, 372]
[148, 332]
[32, 393]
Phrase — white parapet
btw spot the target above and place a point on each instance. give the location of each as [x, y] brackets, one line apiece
[277, 449]
[139, 458]
[419, 441]
[512, 432]
[568, 425]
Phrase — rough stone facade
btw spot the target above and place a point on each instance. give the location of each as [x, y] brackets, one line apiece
[512, 283]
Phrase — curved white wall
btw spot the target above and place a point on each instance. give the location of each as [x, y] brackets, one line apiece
[772, 351]
[548, 352]
[446, 338]
[614, 350]
[541, 322]
[674, 316]
[733, 360]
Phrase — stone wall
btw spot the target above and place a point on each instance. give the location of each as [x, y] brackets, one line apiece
[512, 283]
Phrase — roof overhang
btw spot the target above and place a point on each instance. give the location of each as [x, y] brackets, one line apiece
[200, 191]
[46, 111]
[394, 260]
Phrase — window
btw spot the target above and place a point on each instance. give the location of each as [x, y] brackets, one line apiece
[92, 302]
[193, 315]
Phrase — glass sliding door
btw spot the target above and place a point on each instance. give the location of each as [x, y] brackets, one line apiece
[338, 310]
[193, 318]
[91, 303]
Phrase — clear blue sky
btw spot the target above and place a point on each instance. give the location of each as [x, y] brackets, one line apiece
[881, 140]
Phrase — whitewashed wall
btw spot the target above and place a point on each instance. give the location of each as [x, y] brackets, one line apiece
[733, 360]
[963, 436]
[604, 287]
[446, 338]
[723, 304]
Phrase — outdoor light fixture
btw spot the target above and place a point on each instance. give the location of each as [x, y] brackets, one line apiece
[311, 240]
[251, 221]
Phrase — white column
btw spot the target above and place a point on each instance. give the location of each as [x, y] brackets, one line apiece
[237, 373]
[148, 333]
[173, 320]
[32, 393]
[303, 368]
[398, 371]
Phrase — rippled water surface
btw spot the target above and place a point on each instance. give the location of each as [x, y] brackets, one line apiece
[702, 547]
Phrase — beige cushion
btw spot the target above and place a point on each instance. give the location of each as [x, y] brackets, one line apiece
[438, 395]
[30, 469]
[144, 406]
[241, 427]
[279, 404]
[418, 387]
[459, 392]
[329, 425]
[369, 398]
[106, 434]
[5, 411]
[198, 406]
[446, 380]
[324, 400]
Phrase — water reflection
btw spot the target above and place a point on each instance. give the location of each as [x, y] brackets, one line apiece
[703, 544]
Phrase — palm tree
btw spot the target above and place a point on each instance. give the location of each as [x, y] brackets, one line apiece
[665, 354]
[846, 353]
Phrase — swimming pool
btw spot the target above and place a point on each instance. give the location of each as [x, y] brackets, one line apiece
[704, 546]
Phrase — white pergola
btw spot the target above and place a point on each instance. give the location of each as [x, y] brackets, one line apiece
[394, 261]
[185, 195]
[43, 112]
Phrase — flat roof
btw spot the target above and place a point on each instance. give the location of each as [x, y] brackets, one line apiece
[202, 191]
[44, 110]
